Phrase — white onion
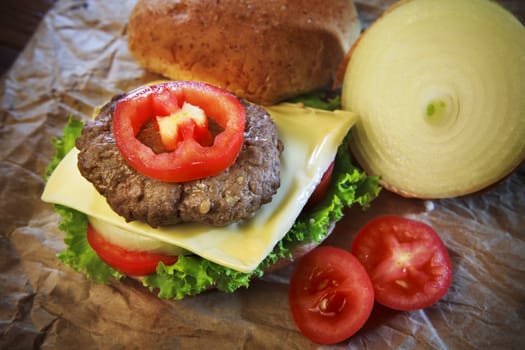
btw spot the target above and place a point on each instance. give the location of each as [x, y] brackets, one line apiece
[133, 241]
[440, 90]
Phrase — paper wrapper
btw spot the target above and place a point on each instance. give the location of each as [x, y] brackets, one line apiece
[77, 60]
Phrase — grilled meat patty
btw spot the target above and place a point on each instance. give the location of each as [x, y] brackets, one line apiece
[228, 197]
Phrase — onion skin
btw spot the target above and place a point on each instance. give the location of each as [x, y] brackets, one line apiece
[420, 124]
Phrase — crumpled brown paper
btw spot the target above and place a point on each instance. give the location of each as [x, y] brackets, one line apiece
[77, 60]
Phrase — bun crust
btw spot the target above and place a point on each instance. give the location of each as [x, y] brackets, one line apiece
[263, 51]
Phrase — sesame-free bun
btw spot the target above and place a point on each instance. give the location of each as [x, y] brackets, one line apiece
[263, 51]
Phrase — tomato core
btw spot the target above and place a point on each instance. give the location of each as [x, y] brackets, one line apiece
[331, 303]
[188, 122]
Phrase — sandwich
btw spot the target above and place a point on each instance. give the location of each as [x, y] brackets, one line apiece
[188, 186]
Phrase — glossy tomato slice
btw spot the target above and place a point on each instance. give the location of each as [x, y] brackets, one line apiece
[330, 295]
[321, 189]
[407, 262]
[131, 263]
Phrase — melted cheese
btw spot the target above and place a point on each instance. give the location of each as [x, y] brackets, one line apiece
[310, 137]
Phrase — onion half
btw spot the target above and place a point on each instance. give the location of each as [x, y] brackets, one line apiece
[440, 90]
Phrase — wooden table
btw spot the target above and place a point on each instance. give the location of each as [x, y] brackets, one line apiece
[18, 21]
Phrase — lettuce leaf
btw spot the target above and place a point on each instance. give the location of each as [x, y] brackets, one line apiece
[64, 144]
[192, 275]
[78, 254]
[325, 99]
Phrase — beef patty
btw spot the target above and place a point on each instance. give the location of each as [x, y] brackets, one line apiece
[228, 197]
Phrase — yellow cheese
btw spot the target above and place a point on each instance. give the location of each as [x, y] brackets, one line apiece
[310, 137]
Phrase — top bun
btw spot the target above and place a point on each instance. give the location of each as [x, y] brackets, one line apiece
[263, 51]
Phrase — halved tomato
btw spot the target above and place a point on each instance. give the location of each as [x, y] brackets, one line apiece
[131, 263]
[407, 262]
[330, 295]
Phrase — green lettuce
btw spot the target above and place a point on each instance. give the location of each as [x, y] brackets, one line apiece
[326, 99]
[191, 275]
[64, 143]
[78, 254]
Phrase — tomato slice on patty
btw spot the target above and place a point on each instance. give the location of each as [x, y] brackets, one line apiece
[330, 295]
[192, 155]
[407, 262]
[131, 263]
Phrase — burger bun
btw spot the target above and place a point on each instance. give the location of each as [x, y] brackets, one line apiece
[263, 51]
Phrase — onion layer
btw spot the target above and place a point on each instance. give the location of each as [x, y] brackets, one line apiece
[440, 90]
[132, 241]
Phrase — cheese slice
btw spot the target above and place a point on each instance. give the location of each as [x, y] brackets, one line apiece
[311, 138]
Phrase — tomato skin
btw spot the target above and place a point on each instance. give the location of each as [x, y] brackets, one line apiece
[131, 263]
[407, 262]
[191, 160]
[330, 295]
[321, 189]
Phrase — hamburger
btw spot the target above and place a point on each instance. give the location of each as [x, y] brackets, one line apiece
[220, 228]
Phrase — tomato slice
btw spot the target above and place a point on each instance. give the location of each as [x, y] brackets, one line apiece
[190, 159]
[330, 295]
[321, 189]
[407, 262]
[131, 263]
